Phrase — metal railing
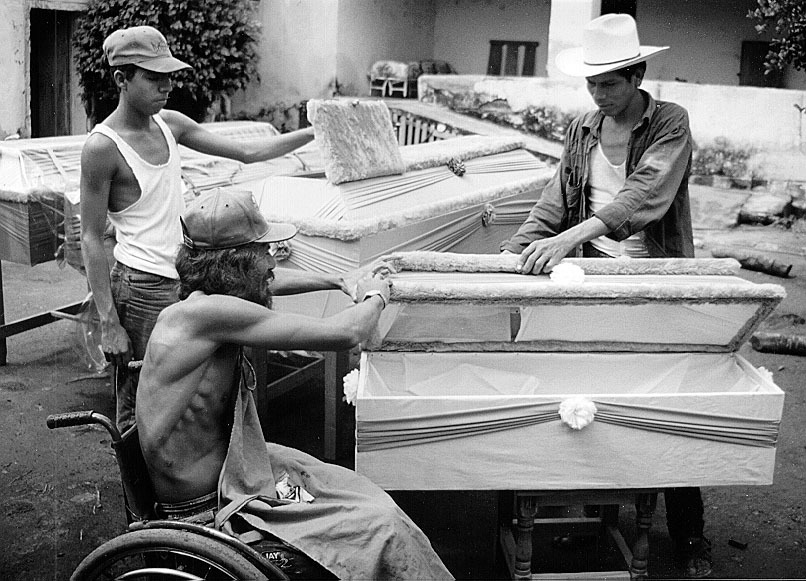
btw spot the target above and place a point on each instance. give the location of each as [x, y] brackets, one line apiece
[412, 129]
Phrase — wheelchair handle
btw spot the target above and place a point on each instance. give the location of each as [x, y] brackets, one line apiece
[82, 418]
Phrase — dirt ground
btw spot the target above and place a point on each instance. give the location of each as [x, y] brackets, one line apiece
[60, 495]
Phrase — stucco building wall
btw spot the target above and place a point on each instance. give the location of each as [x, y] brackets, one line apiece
[746, 116]
[13, 67]
[308, 46]
[374, 30]
[463, 29]
[298, 53]
[705, 40]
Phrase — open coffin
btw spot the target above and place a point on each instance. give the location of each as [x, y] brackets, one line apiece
[463, 387]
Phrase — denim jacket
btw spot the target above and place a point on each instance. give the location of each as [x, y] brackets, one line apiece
[654, 200]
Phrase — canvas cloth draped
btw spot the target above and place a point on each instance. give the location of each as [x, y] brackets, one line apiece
[352, 528]
[424, 428]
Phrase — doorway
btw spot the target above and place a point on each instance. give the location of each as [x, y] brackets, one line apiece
[752, 69]
[51, 58]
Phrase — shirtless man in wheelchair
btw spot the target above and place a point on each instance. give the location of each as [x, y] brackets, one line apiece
[198, 428]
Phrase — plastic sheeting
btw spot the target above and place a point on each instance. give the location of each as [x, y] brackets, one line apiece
[38, 177]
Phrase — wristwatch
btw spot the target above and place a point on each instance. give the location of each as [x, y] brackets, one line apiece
[372, 293]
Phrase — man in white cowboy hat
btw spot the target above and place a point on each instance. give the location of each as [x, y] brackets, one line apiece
[621, 189]
[130, 173]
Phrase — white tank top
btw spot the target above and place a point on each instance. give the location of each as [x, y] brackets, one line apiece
[606, 180]
[148, 232]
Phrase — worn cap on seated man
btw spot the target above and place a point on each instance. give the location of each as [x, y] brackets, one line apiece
[144, 46]
[221, 219]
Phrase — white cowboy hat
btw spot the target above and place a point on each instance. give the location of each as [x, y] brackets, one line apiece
[609, 43]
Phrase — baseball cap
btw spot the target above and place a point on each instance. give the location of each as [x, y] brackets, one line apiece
[222, 218]
[144, 46]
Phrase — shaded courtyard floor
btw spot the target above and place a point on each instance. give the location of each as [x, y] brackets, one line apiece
[60, 495]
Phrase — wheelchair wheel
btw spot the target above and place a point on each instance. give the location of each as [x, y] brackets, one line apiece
[165, 554]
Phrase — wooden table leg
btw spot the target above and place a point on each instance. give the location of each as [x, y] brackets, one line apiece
[524, 523]
[339, 417]
[644, 508]
[3, 344]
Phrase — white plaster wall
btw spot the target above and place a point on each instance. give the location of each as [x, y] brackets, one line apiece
[746, 116]
[79, 124]
[705, 40]
[373, 30]
[464, 28]
[568, 18]
[14, 67]
[297, 54]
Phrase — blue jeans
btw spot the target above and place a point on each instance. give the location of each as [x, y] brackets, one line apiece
[139, 298]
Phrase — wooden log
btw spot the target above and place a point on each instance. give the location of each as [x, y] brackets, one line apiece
[779, 343]
[753, 260]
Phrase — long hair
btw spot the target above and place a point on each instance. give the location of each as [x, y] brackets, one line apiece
[242, 272]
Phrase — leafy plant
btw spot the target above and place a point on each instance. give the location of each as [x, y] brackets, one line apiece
[786, 21]
[721, 159]
[546, 122]
[217, 38]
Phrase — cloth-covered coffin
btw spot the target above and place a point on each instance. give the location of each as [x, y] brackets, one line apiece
[428, 207]
[482, 378]
[464, 194]
[39, 180]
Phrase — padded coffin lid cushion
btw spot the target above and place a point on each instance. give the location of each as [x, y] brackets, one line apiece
[463, 302]
[356, 139]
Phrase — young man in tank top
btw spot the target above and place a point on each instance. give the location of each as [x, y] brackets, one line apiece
[130, 172]
[621, 189]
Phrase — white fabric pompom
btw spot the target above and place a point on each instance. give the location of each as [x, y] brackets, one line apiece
[567, 273]
[766, 374]
[350, 386]
[577, 412]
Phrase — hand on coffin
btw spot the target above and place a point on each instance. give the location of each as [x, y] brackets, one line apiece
[350, 280]
[373, 285]
[543, 255]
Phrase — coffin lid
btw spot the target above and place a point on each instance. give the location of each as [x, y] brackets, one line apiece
[465, 302]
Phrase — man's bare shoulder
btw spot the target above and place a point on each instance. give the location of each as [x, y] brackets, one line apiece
[213, 311]
[178, 122]
[100, 159]
[98, 145]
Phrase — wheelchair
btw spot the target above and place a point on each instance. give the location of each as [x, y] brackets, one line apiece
[167, 549]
